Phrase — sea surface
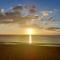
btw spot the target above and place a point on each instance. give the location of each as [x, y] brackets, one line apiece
[34, 38]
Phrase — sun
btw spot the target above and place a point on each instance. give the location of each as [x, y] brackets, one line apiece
[29, 31]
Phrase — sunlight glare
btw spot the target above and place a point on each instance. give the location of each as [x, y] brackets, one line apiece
[30, 32]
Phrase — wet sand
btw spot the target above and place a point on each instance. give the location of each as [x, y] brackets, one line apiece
[29, 52]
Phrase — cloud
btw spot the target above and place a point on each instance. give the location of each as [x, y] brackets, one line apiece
[47, 12]
[53, 29]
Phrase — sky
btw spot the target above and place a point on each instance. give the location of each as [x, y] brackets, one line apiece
[52, 6]
[43, 4]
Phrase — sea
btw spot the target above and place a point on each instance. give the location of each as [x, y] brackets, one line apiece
[35, 38]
